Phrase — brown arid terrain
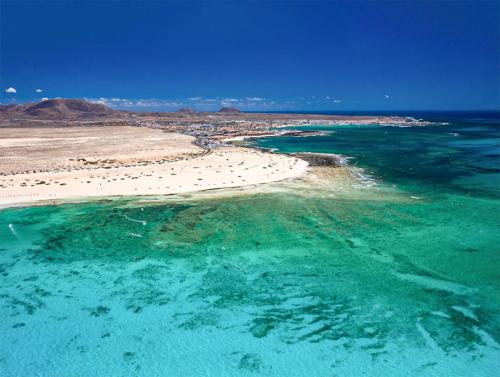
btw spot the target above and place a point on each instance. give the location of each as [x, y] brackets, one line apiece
[56, 163]
[67, 148]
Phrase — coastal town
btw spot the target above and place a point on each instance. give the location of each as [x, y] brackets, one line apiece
[210, 129]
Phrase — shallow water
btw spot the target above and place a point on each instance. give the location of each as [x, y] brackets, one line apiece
[394, 279]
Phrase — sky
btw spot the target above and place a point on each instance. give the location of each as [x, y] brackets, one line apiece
[272, 56]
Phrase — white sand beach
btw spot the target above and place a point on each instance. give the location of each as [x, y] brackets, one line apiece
[74, 163]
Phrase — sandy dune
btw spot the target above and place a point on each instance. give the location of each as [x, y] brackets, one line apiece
[82, 162]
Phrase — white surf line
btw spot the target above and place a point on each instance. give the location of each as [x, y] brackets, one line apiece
[134, 220]
[13, 231]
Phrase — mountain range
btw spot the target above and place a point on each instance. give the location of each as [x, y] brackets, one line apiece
[57, 109]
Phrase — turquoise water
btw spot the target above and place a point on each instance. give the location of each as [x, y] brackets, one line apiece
[396, 278]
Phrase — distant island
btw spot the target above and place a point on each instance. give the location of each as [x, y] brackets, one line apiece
[229, 110]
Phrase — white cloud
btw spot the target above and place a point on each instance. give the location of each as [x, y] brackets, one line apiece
[11, 90]
[39, 90]
[337, 101]
[230, 102]
[157, 103]
[327, 97]
[387, 96]
[200, 103]
[125, 103]
[45, 99]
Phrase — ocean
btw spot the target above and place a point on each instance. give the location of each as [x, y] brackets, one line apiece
[392, 272]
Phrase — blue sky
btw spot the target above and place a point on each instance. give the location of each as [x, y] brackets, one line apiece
[253, 55]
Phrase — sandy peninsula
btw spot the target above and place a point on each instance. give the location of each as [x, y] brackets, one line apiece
[45, 164]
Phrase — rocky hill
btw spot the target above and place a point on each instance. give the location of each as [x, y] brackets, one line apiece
[57, 109]
[186, 111]
[229, 110]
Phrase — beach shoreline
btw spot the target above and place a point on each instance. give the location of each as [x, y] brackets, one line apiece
[164, 164]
